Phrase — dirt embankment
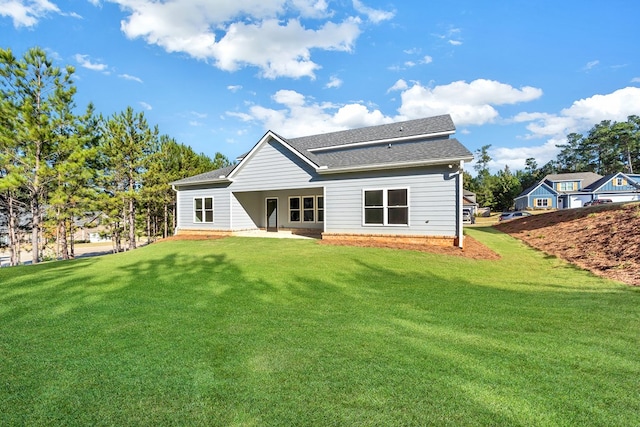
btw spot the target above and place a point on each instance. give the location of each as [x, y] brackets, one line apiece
[603, 239]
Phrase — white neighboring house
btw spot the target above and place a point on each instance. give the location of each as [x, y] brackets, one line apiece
[400, 180]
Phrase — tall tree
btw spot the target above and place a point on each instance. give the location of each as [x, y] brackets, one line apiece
[127, 142]
[33, 90]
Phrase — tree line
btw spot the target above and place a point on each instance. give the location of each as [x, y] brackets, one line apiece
[57, 165]
[609, 147]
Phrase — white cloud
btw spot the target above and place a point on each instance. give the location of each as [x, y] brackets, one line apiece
[129, 77]
[145, 105]
[516, 158]
[591, 65]
[427, 60]
[26, 13]
[398, 86]
[303, 116]
[583, 114]
[468, 103]
[334, 82]
[635, 80]
[455, 42]
[374, 15]
[267, 34]
[85, 62]
[234, 88]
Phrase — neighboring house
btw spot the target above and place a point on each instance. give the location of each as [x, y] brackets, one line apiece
[573, 190]
[469, 202]
[400, 180]
[90, 228]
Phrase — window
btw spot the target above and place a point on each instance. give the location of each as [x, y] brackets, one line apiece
[619, 182]
[203, 209]
[566, 186]
[320, 209]
[294, 209]
[386, 207]
[308, 209]
[543, 203]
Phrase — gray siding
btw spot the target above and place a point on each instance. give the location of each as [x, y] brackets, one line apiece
[273, 167]
[432, 202]
[220, 208]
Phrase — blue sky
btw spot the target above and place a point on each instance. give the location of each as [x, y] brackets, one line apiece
[217, 74]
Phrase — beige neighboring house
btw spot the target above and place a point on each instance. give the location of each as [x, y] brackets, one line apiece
[91, 228]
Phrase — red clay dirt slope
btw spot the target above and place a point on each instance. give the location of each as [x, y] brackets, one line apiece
[603, 239]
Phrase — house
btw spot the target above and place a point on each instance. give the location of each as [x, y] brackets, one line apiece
[400, 180]
[573, 190]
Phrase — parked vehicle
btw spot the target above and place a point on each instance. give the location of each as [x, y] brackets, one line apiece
[598, 202]
[467, 217]
[507, 216]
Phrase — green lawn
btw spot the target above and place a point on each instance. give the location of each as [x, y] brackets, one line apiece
[252, 332]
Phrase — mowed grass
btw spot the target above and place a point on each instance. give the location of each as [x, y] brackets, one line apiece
[252, 332]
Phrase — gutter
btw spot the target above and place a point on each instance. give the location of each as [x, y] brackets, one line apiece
[325, 170]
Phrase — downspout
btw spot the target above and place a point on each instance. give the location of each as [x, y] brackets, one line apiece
[175, 230]
[460, 198]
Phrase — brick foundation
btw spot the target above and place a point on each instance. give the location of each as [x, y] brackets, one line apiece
[203, 233]
[391, 239]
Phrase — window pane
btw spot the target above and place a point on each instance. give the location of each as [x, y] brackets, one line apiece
[198, 204]
[308, 215]
[398, 215]
[320, 215]
[294, 216]
[208, 216]
[373, 198]
[307, 202]
[208, 203]
[320, 202]
[198, 216]
[397, 197]
[294, 203]
[373, 215]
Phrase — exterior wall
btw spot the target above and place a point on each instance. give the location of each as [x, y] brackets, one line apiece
[542, 193]
[252, 205]
[273, 167]
[609, 187]
[221, 208]
[433, 206]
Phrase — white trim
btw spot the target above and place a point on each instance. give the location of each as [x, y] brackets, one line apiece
[265, 140]
[382, 141]
[384, 166]
[385, 206]
[461, 205]
[204, 210]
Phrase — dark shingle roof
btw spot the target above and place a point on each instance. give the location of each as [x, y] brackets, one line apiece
[587, 178]
[401, 152]
[430, 125]
[410, 142]
[207, 176]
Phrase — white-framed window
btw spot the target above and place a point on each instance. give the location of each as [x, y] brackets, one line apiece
[309, 209]
[294, 209]
[319, 209]
[306, 209]
[619, 181]
[386, 206]
[567, 186]
[542, 203]
[203, 209]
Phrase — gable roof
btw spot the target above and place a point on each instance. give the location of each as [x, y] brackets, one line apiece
[595, 186]
[530, 190]
[587, 178]
[403, 144]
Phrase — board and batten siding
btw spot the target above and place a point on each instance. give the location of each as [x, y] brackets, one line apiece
[273, 167]
[221, 210]
[432, 202]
